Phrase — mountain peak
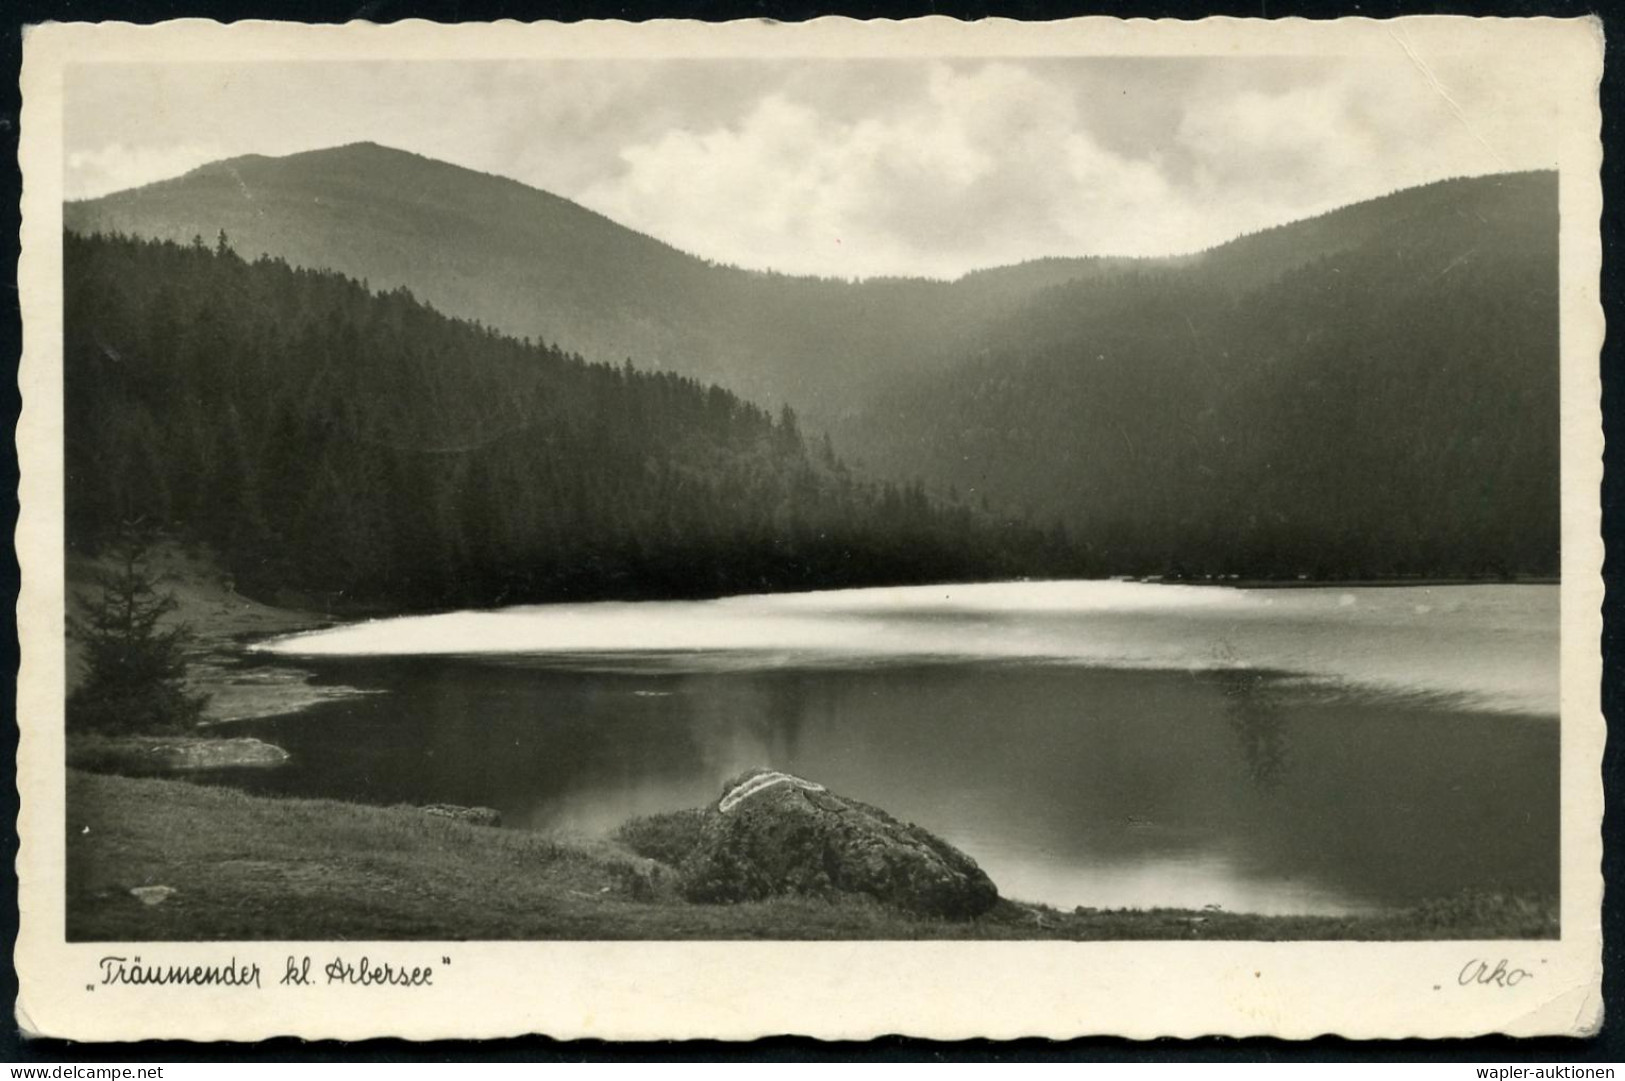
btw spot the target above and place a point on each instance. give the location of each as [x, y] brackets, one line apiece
[365, 148]
[348, 158]
[364, 153]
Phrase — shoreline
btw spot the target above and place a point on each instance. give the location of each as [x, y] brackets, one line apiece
[242, 867]
[241, 685]
[246, 684]
[1349, 583]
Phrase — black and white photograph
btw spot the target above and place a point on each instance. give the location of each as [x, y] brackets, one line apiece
[1088, 489]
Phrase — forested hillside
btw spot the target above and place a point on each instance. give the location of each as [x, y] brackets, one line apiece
[335, 441]
[1371, 392]
[530, 263]
[1388, 407]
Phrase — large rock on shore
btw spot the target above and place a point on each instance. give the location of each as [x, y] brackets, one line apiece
[773, 834]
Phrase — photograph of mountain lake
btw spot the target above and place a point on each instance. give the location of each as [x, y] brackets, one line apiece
[797, 498]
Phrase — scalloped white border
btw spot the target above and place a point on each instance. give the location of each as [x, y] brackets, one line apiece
[844, 989]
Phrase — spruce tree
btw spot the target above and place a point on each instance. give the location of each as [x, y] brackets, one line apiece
[134, 666]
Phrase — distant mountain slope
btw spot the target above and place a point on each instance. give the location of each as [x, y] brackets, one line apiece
[1389, 406]
[331, 440]
[1371, 391]
[532, 264]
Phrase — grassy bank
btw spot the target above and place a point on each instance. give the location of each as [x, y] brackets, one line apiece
[246, 867]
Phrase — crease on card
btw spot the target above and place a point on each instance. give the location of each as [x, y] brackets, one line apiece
[1586, 1019]
[1438, 87]
[25, 1021]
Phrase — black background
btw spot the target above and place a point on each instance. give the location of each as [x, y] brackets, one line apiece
[1608, 1045]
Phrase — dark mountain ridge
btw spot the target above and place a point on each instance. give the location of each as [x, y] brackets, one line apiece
[1387, 408]
[1371, 391]
[534, 265]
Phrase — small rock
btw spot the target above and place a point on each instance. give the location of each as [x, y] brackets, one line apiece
[221, 753]
[152, 895]
[474, 816]
[171, 754]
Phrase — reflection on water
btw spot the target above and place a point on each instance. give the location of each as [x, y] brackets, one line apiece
[1100, 781]
[1253, 708]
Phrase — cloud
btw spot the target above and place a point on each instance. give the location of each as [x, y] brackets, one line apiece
[976, 164]
[859, 167]
[1353, 133]
[117, 166]
[985, 164]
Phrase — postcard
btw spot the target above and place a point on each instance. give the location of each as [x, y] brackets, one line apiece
[717, 530]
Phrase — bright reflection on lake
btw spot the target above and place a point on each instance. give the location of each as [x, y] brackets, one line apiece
[1103, 744]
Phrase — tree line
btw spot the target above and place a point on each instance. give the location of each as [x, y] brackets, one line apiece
[364, 449]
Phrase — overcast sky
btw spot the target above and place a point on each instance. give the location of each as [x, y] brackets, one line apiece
[856, 168]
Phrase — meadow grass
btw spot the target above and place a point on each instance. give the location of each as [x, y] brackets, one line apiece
[250, 867]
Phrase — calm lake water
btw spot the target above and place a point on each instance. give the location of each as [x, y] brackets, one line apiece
[1104, 744]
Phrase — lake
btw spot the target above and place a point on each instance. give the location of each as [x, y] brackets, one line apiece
[1103, 744]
